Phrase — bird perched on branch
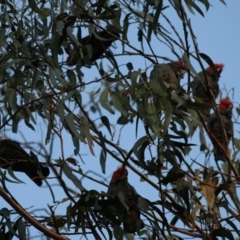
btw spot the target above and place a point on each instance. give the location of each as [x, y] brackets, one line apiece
[225, 110]
[14, 156]
[200, 89]
[93, 47]
[171, 72]
[131, 217]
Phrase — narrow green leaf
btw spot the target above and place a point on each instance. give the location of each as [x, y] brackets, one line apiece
[168, 115]
[69, 216]
[138, 144]
[72, 78]
[125, 29]
[106, 123]
[11, 173]
[2, 35]
[48, 134]
[222, 1]
[137, 122]
[189, 65]
[148, 17]
[50, 189]
[73, 37]
[209, 61]
[68, 172]
[86, 130]
[195, 6]
[206, 3]
[104, 102]
[176, 4]
[121, 197]
[60, 26]
[120, 104]
[118, 232]
[41, 11]
[103, 161]
[70, 123]
[202, 139]
[53, 80]
[122, 120]
[157, 14]
[21, 230]
[157, 88]
[5, 178]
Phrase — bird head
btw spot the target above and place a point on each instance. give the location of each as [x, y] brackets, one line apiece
[225, 103]
[226, 106]
[219, 67]
[120, 173]
[180, 67]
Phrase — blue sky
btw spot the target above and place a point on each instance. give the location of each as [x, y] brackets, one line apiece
[217, 35]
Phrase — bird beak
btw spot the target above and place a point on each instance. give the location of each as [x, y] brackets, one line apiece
[181, 73]
[219, 70]
[230, 111]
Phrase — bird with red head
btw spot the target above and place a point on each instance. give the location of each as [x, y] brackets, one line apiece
[225, 110]
[130, 217]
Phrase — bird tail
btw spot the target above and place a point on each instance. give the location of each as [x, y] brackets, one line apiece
[218, 155]
[133, 223]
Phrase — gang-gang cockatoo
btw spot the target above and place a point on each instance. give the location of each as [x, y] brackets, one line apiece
[225, 111]
[199, 86]
[171, 72]
[131, 217]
